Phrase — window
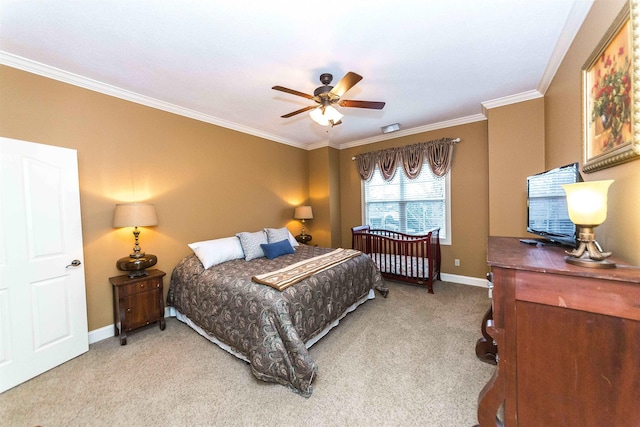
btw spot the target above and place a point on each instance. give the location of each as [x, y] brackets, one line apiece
[409, 206]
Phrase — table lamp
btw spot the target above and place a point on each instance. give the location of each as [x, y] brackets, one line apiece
[135, 215]
[587, 205]
[303, 213]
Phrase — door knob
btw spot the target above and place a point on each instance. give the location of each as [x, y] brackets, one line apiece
[74, 263]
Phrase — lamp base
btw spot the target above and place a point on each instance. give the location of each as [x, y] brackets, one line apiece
[303, 238]
[588, 262]
[588, 253]
[136, 266]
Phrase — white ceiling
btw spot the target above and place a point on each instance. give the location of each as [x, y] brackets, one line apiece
[434, 63]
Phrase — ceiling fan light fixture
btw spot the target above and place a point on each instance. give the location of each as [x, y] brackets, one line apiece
[328, 117]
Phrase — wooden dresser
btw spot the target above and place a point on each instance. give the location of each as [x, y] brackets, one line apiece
[568, 340]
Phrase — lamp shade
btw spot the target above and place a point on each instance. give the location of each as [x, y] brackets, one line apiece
[587, 201]
[327, 117]
[303, 212]
[134, 215]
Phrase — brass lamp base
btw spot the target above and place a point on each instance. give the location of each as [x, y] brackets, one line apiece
[589, 253]
[588, 262]
[136, 266]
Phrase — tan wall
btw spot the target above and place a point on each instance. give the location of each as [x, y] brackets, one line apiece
[516, 150]
[319, 197]
[334, 196]
[469, 195]
[206, 181]
[563, 123]
[324, 196]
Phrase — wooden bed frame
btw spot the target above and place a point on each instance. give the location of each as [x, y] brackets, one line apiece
[416, 260]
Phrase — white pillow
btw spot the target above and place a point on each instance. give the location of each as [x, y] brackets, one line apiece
[278, 234]
[251, 244]
[212, 252]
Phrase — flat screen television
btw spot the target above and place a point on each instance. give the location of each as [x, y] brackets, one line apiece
[547, 213]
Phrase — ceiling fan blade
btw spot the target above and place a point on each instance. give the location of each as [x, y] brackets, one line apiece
[348, 81]
[302, 110]
[361, 104]
[292, 92]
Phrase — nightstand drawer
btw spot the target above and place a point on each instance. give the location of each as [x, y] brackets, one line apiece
[142, 286]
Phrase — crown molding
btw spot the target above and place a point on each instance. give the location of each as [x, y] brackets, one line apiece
[40, 69]
[578, 14]
[511, 99]
[427, 128]
[580, 10]
[321, 144]
[34, 67]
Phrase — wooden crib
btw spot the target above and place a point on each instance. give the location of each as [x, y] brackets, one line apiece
[399, 256]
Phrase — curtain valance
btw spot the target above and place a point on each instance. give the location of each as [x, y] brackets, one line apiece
[438, 154]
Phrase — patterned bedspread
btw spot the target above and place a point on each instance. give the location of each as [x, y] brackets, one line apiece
[267, 326]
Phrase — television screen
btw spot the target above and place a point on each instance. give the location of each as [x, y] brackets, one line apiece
[547, 213]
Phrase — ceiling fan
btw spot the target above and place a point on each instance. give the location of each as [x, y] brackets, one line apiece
[326, 96]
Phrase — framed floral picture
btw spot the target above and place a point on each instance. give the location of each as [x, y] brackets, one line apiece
[610, 97]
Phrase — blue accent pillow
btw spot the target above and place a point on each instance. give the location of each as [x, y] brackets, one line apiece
[274, 250]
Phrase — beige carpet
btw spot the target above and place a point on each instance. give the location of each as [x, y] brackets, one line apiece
[405, 360]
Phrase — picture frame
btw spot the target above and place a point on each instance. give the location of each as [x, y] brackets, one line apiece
[611, 97]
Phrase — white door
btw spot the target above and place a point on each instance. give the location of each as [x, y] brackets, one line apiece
[43, 315]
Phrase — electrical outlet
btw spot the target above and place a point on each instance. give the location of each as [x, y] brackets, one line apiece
[456, 262]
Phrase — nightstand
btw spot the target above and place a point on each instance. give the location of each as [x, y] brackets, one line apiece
[137, 302]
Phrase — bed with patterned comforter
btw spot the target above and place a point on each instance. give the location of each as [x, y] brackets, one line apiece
[267, 327]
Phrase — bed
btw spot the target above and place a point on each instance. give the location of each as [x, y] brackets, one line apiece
[268, 328]
[409, 258]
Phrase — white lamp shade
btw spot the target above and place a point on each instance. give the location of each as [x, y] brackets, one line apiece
[587, 201]
[134, 215]
[303, 212]
[324, 119]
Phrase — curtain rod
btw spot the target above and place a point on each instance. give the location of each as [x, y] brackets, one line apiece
[455, 141]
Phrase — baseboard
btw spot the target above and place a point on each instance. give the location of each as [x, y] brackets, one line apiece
[101, 334]
[109, 331]
[464, 280]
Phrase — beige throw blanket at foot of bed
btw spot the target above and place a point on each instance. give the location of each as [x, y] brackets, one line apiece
[285, 277]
